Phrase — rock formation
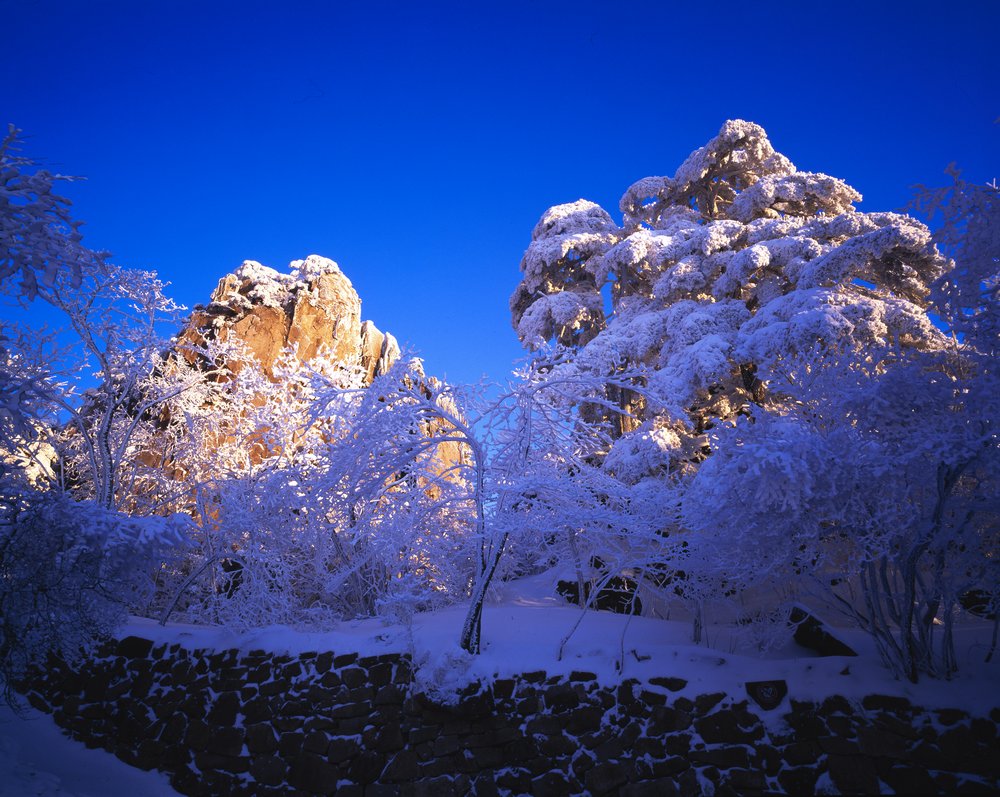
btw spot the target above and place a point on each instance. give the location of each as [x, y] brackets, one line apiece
[314, 308]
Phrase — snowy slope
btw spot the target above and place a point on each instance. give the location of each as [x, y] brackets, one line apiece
[37, 760]
[525, 626]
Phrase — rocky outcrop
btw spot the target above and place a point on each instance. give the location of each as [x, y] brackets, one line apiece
[313, 308]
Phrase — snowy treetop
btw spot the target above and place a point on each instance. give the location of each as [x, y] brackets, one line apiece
[718, 274]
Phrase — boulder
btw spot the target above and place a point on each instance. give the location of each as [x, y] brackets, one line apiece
[314, 308]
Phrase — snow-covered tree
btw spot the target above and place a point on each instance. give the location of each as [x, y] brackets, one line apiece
[968, 295]
[405, 483]
[319, 496]
[714, 278]
[69, 570]
[73, 410]
[815, 425]
[38, 236]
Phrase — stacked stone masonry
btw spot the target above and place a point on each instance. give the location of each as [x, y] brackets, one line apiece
[235, 723]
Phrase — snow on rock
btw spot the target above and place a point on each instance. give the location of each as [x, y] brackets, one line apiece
[313, 267]
[314, 308]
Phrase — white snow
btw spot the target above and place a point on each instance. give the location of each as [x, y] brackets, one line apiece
[526, 622]
[37, 760]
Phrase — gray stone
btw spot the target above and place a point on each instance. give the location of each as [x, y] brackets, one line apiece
[550, 784]
[705, 703]
[799, 781]
[561, 697]
[226, 741]
[260, 738]
[673, 684]
[722, 757]
[316, 742]
[312, 773]
[133, 647]
[341, 749]
[404, 767]
[584, 720]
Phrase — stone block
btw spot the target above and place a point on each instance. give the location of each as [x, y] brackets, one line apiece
[366, 767]
[223, 710]
[518, 751]
[767, 694]
[259, 674]
[799, 781]
[285, 723]
[607, 777]
[316, 742]
[908, 780]
[654, 699]
[198, 736]
[722, 757]
[133, 647]
[669, 767]
[344, 660]
[276, 687]
[585, 719]
[341, 749]
[503, 688]
[324, 661]
[664, 719]
[550, 784]
[349, 710]
[224, 763]
[837, 745]
[853, 774]
[149, 754]
[672, 684]
[390, 695]
[745, 781]
[389, 738]
[705, 703]
[380, 674]
[880, 743]
[313, 773]
[257, 710]
[354, 677]
[658, 787]
[260, 738]
[556, 745]
[226, 741]
[894, 705]
[290, 744]
[514, 781]
[403, 767]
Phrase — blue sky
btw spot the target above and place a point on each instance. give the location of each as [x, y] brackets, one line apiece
[418, 143]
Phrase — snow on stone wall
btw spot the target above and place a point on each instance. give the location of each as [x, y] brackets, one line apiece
[256, 723]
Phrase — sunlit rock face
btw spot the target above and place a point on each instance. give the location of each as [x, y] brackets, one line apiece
[314, 307]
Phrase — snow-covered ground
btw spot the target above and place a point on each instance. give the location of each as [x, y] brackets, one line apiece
[37, 760]
[524, 628]
[523, 631]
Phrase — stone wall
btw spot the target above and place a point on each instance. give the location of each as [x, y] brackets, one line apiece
[236, 723]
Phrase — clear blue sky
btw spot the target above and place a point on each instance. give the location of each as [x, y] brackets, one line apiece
[417, 143]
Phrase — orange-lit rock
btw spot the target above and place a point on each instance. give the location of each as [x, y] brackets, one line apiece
[314, 308]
